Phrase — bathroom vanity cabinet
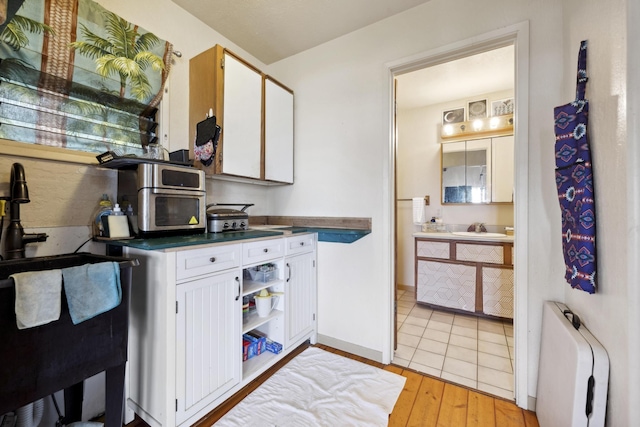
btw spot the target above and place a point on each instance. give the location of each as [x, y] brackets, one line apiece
[466, 275]
[187, 322]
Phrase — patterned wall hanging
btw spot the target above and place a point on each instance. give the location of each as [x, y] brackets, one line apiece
[574, 181]
[74, 75]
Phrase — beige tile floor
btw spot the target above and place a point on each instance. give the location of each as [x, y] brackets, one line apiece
[463, 349]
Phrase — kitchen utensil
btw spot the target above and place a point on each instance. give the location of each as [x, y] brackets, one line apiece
[266, 302]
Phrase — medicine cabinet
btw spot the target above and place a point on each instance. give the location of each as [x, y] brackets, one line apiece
[478, 171]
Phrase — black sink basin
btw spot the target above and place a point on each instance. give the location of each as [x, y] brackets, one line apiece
[36, 362]
[22, 265]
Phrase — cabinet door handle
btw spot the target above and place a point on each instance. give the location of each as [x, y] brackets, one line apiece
[301, 243]
[238, 296]
[212, 259]
[266, 250]
[289, 271]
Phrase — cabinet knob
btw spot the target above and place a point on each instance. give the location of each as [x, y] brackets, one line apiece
[212, 259]
[301, 243]
[266, 250]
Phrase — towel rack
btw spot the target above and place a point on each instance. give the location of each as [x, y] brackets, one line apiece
[426, 200]
[8, 283]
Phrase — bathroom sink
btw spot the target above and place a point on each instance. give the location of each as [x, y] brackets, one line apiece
[474, 234]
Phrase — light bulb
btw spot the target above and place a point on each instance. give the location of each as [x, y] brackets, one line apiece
[477, 125]
[495, 121]
[448, 130]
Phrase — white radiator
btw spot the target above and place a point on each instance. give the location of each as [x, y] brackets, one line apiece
[573, 374]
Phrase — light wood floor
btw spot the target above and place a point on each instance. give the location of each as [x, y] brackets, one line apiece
[424, 401]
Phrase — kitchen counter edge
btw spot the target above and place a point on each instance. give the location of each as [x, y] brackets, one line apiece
[335, 235]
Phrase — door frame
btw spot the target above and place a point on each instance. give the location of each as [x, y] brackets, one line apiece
[518, 36]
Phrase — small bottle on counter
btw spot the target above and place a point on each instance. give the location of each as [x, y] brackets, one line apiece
[103, 209]
[133, 220]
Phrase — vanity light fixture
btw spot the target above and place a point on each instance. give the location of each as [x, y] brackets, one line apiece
[447, 130]
[478, 128]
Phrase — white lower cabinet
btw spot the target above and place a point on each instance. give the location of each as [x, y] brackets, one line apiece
[187, 322]
[207, 344]
[300, 291]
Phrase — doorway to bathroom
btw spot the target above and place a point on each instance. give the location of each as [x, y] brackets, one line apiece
[467, 88]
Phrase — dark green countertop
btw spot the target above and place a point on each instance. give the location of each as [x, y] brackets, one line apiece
[336, 235]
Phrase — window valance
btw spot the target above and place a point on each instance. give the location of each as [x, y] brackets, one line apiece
[75, 75]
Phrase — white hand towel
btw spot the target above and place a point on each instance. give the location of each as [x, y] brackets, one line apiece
[418, 210]
[38, 297]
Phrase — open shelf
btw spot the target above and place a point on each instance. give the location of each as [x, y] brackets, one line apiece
[251, 320]
[256, 363]
[250, 287]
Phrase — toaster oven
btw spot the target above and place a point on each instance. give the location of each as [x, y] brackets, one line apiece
[166, 199]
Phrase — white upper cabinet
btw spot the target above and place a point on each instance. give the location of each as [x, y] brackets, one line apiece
[278, 132]
[254, 111]
[241, 124]
[502, 177]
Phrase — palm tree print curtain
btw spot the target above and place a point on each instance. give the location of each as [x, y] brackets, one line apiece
[74, 75]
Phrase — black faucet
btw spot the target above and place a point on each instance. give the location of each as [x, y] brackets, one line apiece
[19, 193]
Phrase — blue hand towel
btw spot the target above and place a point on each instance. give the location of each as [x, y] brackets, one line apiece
[92, 289]
[38, 297]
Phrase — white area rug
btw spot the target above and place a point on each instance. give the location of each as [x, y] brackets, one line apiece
[318, 388]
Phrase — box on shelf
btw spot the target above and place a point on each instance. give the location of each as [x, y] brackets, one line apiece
[246, 350]
[261, 340]
[270, 345]
[262, 273]
[273, 347]
[252, 346]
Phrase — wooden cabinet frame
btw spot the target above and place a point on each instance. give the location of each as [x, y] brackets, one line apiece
[206, 91]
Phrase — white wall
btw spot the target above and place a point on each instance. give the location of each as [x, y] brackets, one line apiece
[418, 160]
[607, 314]
[342, 148]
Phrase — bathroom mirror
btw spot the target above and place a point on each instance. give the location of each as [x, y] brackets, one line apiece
[478, 171]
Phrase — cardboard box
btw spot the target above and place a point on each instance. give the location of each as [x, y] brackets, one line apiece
[269, 345]
[260, 339]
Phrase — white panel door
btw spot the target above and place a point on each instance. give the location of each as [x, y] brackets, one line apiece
[502, 176]
[300, 278]
[241, 128]
[208, 358]
[278, 133]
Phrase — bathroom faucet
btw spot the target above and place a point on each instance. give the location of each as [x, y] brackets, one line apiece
[16, 238]
[478, 227]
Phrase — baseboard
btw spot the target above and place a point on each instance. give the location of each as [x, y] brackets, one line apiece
[531, 403]
[405, 287]
[365, 352]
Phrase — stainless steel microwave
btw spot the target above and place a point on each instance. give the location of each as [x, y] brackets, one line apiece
[165, 199]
